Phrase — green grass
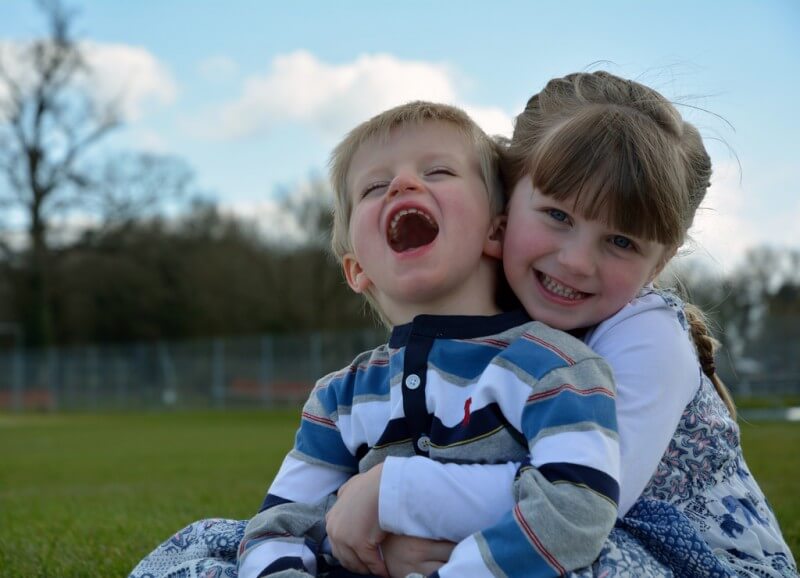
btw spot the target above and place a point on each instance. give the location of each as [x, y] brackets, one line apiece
[89, 495]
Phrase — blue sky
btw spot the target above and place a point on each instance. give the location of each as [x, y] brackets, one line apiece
[253, 94]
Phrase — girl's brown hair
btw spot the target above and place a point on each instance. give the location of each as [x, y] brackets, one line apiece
[619, 151]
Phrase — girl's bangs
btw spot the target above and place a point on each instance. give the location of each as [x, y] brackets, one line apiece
[611, 169]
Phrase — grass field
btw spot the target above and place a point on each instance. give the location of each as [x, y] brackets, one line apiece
[89, 495]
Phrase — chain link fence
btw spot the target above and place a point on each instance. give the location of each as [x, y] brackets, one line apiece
[264, 370]
[214, 373]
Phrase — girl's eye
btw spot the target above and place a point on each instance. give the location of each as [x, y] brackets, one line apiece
[622, 242]
[558, 215]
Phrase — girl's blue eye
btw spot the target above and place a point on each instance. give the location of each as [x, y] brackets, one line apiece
[558, 215]
[622, 242]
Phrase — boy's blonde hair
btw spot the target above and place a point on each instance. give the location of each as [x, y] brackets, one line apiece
[378, 129]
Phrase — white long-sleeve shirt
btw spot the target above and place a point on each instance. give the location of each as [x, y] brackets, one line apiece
[657, 374]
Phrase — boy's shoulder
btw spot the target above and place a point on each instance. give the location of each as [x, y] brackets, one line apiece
[537, 339]
[374, 362]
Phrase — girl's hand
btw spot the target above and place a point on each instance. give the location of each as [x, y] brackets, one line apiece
[352, 524]
[406, 554]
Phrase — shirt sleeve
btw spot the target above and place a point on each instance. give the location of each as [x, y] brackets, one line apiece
[414, 488]
[566, 495]
[657, 374]
[285, 538]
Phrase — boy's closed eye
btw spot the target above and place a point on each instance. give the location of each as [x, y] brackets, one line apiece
[440, 171]
[373, 188]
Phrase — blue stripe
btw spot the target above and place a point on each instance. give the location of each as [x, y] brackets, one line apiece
[532, 358]
[271, 500]
[463, 359]
[568, 408]
[513, 552]
[288, 563]
[575, 474]
[325, 444]
[340, 390]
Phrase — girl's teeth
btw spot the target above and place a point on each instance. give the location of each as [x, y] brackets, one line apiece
[559, 289]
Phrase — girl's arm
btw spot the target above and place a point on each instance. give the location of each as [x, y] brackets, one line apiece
[657, 374]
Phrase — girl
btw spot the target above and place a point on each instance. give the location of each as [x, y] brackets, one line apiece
[606, 180]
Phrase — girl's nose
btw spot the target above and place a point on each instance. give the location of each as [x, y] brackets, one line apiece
[405, 182]
[578, 257]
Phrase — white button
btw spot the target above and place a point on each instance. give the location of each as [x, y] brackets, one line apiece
[424, 443]
[412, 381]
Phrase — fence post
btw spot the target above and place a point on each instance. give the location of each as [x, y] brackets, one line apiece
[218, 372]
[266, 369]
[18, 378]
[169, 395]
[315, 353]
[52, 376]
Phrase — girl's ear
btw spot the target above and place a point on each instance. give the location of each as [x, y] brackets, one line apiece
[493, 246]
[355, 275]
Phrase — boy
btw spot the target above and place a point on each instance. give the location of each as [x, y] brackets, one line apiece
[416, 229]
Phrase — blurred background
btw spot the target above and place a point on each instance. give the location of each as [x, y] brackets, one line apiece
[163, 196]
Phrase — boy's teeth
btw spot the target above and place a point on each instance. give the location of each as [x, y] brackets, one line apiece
[402, 213]
[562, 290]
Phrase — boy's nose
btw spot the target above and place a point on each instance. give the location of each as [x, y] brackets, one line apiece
[404, 183]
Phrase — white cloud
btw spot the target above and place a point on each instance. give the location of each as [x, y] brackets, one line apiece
[130, 76]
[333, 98]
[493, 120]
[726, 225]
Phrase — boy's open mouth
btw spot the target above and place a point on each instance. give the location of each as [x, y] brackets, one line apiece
[410, 229]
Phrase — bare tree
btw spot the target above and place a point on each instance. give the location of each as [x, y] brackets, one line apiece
[48, 125]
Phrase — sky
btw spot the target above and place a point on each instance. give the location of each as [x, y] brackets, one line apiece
[254, 94]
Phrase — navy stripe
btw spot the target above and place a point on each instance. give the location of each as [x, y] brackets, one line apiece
[415, 408]
[481, 422]
[457, 326]
[575, 474]
[396, 431]
[287, 563]
[271, 500]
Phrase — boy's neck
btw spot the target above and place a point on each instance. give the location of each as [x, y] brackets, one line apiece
[475, 298]
[409, 313]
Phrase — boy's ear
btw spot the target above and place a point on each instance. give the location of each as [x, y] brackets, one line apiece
[493, 246]
[355, 275]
